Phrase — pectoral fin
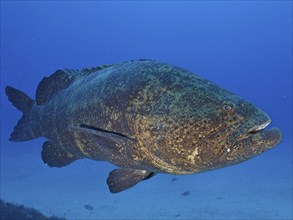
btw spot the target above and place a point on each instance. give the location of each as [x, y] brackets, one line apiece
[54, 156]
[122, 179]
[106, 140]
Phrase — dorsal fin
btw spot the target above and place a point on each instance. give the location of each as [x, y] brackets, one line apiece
[52, 85]
[95, 69]
[61, 79]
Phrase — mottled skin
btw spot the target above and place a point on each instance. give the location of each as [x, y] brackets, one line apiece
[167, 119]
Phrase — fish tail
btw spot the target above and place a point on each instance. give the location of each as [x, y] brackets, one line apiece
[23, 130]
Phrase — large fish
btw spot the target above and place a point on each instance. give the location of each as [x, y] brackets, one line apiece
[145, 116]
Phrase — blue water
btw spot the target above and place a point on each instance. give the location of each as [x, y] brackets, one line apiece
[244, 46]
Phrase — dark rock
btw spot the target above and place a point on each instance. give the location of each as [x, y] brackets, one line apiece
[174, 179]
[186, 193]
[89, 207]
[10, 211]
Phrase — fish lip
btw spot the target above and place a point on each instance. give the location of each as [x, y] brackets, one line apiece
[259, 127]
[257, 130]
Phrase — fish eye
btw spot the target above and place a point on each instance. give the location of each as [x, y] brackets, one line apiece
[228, 106]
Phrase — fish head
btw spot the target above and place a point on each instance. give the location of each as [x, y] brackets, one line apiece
[244, 135]
[228, 130]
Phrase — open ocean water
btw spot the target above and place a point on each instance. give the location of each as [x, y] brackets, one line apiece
[243, 46]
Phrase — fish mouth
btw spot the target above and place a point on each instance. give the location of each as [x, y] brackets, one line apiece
[247, 143]
[261, 138]
[250, 141]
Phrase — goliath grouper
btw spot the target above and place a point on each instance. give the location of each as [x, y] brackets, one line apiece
[144, 116]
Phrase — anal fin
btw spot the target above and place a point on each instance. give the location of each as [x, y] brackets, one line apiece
[54, 156]
[122, 179]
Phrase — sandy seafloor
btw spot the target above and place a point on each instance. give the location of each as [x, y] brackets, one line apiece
[260, 188]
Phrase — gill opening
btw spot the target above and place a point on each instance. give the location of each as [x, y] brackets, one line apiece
[103, 130]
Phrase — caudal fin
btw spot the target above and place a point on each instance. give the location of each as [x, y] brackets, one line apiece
[23, 130]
